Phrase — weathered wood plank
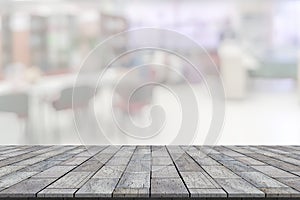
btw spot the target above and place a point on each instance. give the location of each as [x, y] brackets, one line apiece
[281, 192]
[168, 187]
[248, 161]
[110, 172]
[274, 172]
[131, 192]
[144, 171]
[207, 193]
[139, 166]
[54, 172]
[89, 166]
[40, 166]
[164, 172]
[52, 193]
[9, 169]
[197, 180]
[75, 161]
[71, 180]
[97, 188]
[185, 163]
[135, 180]
[117, 161]
[261, 180]
[237, 187]
[219, 172]
[26, 188]
[236, 166]
[13, 178]
[166, 160]
[292, 182]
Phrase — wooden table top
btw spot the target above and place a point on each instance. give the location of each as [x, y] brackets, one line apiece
[150, 171]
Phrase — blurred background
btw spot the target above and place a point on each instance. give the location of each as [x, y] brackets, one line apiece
[255, 45]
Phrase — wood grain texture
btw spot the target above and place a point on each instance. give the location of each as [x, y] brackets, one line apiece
[149, 171]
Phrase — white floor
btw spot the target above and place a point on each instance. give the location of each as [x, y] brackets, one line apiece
[269, 115]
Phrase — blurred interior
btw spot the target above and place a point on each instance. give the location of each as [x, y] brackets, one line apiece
[255, 45]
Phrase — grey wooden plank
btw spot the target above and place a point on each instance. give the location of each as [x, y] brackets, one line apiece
[75, 161]
[185, 163]
[237, 187]
[160, 152]
[275, 149]
[9, 169]
[135, 180]
[164, 172]
[273, 171]
[220, 156]
[52, 193]
[166, 160]
[92, 150]
[261, 180]
[57, 151]
[145, 150]
[54, 172]
[175, 150]
[277, 175]
[197, 180]
[71, 180]
[131, 192]
[14, 159]
[280, 192]
[297, 173]
[274, 162]
[2, 157]
[205, 161]
[47, 149]
[77, 150]
[242, 150]
[193, 151]
[13, 178]
[248, 161]
[91, 165]
[137, 157]
[168, 187]
[110, 172]
[26, 188]
[230, 153]
[40, 166]
[110, 150]
[207, 193]
[292, 182]
[287, 159]
[219, 172]
[30, 161]
[124, 153]
[279, 155]
[62, 156]
[236, 166]
[103, 157]
[207, 149]
[117, 161]
[97, 188]
[139, 166]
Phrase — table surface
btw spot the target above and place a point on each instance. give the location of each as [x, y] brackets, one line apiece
[150, 171]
